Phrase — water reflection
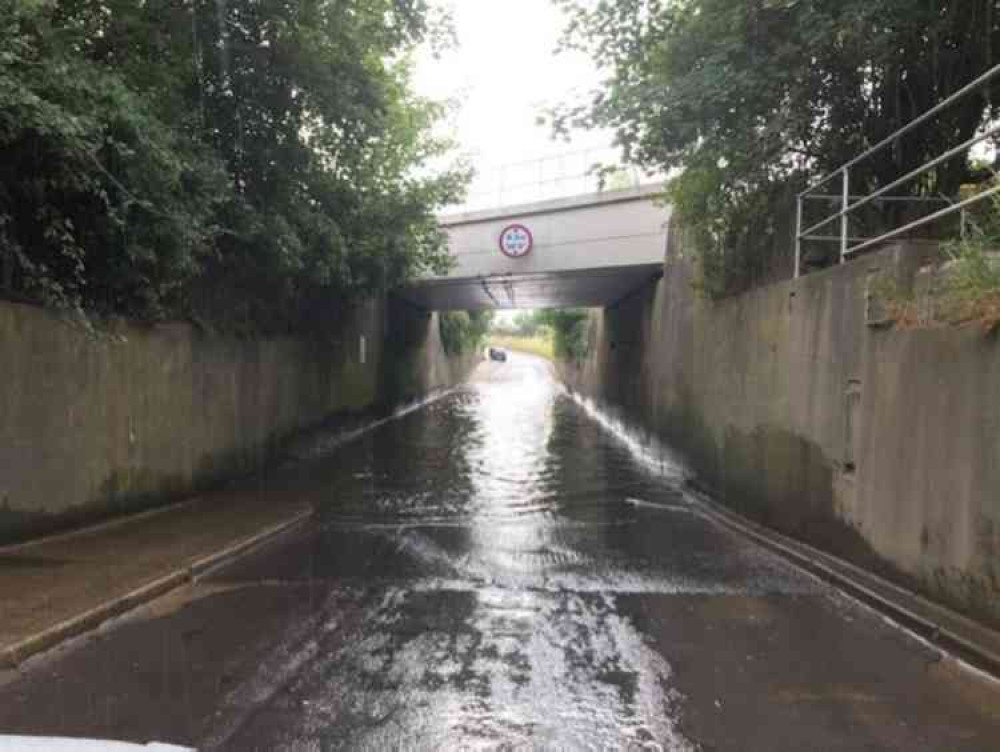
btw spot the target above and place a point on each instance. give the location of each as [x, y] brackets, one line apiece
[488, 537]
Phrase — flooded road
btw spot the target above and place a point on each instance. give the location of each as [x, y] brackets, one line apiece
[500, 570]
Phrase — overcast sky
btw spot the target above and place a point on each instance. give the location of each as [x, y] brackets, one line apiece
[504, 73]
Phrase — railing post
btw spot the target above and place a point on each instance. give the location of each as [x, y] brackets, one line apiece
[845, 200]
[798, 236]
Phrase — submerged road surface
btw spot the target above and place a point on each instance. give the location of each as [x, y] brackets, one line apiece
[498, 570]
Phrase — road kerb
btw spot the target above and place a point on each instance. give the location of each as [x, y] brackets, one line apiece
[12, 656]
[836, 572]
[100, 527]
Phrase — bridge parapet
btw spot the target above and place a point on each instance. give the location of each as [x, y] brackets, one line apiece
[586, 250]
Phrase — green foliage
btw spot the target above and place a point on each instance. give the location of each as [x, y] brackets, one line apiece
[617, 179]
[101, 201]
[570, 331]
[539, 344]
[971, 289]
[251, 163]
[965, 288]
[741, 101]
[524, 324]
[463, 332]
[561, 332]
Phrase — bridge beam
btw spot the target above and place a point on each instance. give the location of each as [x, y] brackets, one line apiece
[588, 250]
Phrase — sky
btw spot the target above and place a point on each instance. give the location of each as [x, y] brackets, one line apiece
[504, 73]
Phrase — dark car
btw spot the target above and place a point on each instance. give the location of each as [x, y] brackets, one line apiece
[497, 354]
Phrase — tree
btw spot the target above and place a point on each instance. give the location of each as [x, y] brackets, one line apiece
[100, 200]
[749, 99]
[464, 331]
[248, 162]
[526, 323]
[570, 331]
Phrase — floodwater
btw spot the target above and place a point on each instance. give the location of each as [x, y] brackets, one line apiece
[513, 554]
[504, 569]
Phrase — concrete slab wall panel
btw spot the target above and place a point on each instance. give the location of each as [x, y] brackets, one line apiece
[878, 443]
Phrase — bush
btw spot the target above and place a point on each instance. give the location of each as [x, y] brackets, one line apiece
[250, 165]
[463, 332]
[570, 332]
[740, 103]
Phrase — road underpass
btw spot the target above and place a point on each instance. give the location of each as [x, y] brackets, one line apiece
[505, 568]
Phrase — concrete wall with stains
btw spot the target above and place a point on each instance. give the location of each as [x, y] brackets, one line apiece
[414, 352]
[94, 423]
[804, 410]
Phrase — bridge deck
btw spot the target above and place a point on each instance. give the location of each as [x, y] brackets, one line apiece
[588, 250]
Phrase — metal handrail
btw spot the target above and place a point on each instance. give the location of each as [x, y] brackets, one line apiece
[506, 187]
[919, 120]
[915, 199]
[569, 153]
[907, 177]
[555, 175]
[848, 205]
[926, 220]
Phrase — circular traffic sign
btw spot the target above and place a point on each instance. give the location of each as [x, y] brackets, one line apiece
[516, 241]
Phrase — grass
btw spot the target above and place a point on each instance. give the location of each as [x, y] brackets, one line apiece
[972, 284]
[965, 289]
[541, 346]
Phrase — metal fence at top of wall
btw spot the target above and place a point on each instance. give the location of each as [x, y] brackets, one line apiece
[835, 228]
[570, 173]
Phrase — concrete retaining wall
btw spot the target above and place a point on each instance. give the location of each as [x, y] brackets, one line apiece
[416, 364]
[879, 444]
[93, 424]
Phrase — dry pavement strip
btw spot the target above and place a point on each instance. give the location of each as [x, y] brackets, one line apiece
[66, 585]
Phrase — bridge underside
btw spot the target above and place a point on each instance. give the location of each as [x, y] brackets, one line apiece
[582, 288]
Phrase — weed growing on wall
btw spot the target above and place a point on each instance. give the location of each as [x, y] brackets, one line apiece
[964, 289]
[971, 291]
[744, 103]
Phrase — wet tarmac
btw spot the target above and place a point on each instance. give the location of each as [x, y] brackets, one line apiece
[501, 569]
